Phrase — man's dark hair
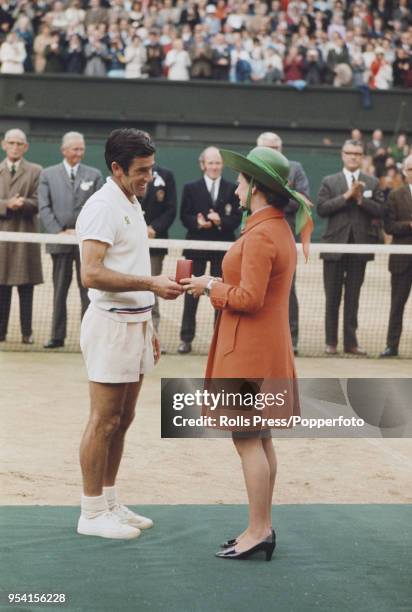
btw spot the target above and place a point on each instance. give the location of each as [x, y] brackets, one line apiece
[274, 198]
[125, 144]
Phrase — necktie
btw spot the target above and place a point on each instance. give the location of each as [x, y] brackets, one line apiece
[13, 169]
[72, 176]
[353, 179]
[213, 191]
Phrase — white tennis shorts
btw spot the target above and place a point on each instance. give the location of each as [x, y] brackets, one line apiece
[115, 351]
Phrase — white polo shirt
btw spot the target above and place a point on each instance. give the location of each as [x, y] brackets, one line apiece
[108, 216]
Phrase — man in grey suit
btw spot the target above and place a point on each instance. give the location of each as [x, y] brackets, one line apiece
[63, 190]
[298, 181]
[352, 203]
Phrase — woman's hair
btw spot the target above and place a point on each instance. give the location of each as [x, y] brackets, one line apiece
[277, 200]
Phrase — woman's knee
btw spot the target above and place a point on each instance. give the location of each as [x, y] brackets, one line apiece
[246, 445]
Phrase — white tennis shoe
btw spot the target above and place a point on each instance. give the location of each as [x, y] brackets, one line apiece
[128, 517]
[107, 525]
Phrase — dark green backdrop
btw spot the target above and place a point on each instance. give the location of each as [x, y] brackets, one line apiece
[183, 161]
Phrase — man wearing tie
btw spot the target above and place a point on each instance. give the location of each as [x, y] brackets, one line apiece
[20, 263]
[63, 189]
[352, 203]
[209, 211]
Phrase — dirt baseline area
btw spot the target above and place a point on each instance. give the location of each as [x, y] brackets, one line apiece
[44, 409]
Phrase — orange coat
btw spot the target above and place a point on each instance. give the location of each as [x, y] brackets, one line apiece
[252, 335]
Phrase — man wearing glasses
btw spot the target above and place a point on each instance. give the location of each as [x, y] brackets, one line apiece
[352, 202]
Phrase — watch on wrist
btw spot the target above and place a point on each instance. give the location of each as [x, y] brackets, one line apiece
[209, 287]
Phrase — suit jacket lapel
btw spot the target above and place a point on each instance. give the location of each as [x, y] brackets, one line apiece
[343, 186]
[6, 179]
[19, 172]
[408, 196]
[206, 193]
[3, 167]
[65, 176]
[221, 196]
[79, 177]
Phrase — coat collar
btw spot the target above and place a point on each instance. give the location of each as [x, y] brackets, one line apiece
[263, 215]
[79, 175]
[21, 169]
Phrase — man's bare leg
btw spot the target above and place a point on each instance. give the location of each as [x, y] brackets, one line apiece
[115, 451]
[114, 457]
[106, 405]
[106, 409]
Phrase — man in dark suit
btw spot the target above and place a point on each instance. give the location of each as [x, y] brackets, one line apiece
[351, 202]
[159, 207]
[209, 211]
[63, 189]
[398, 222]
[298, 181]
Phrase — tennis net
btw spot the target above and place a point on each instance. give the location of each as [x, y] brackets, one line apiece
[373, 314]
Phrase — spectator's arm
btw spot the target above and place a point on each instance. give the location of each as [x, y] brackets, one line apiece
[374, 206]
[328, 205]
[301, 182]
[3, 207]
[47, 216]
[30, 206]
[99, 182]
[187, 216]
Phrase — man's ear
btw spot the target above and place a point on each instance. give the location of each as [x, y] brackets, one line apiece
[117, 170]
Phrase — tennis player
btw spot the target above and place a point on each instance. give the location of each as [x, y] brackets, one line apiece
[117, 338]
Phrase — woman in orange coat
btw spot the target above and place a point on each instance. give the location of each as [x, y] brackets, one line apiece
[252, 336]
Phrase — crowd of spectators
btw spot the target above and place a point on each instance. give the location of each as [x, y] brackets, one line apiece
[382, 159]
[312, 42]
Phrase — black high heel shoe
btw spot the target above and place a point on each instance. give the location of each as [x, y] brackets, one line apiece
[267, 546]
[233, 542]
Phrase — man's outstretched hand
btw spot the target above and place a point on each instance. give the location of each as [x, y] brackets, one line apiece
[166, 287]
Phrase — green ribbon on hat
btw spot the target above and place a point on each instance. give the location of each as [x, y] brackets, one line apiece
[247, 211]
[271, 168]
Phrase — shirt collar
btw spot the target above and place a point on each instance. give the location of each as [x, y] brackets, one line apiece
[120, 194]
[70, 168]
[348, 176]
[209, 182]
[16, 164]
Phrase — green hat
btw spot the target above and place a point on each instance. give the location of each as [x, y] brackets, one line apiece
[271, 168]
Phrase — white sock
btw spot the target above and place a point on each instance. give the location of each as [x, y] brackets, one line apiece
[110, 496]
[93, 506]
